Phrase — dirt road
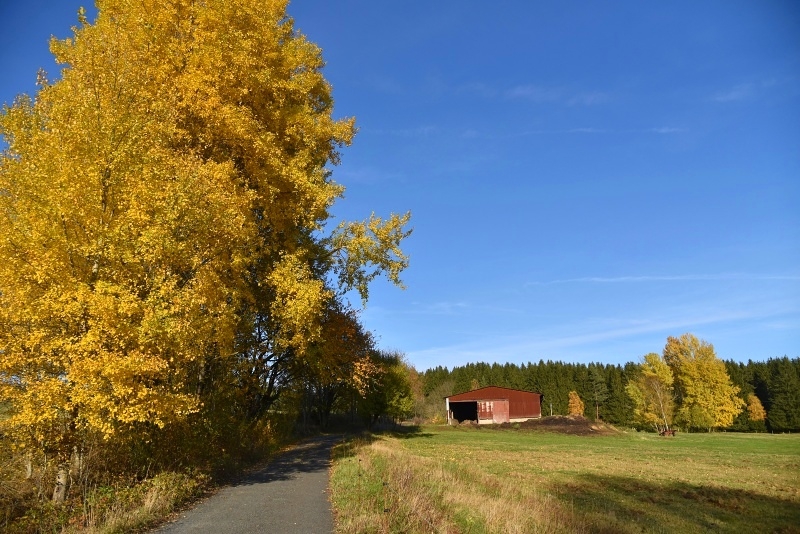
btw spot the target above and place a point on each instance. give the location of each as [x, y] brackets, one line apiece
[288, 495]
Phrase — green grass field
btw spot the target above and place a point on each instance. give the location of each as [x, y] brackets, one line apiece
[442, 479]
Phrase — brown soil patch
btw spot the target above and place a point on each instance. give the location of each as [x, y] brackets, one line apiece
[564, 424]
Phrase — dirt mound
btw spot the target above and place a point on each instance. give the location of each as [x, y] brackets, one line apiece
[565, 424]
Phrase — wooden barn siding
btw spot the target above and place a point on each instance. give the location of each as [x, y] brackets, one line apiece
[520, 403]
[496, 410]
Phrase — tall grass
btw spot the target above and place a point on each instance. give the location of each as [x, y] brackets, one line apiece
[481, 480]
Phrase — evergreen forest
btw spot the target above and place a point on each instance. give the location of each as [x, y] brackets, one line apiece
[602, 387]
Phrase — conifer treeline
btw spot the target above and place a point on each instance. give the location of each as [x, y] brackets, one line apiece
[775, 382]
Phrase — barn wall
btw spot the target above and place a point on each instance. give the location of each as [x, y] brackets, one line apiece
[493, 411]
[522, 405]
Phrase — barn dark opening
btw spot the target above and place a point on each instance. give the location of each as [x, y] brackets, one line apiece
[464, 410]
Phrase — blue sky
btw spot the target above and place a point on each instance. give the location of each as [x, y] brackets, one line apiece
[585, 178]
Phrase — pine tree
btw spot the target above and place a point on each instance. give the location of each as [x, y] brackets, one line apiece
[599, 390]
[783, 414]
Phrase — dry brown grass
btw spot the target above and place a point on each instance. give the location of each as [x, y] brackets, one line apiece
[409, 493]
[131, 509]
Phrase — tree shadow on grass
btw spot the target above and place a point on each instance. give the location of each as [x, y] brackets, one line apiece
[406, 432]
[621, 504]
[349, 446]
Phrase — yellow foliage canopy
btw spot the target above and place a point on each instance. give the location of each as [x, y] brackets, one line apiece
[707, 397]
[755, 410]
[652, 393]
[575, 405]
[168, 185]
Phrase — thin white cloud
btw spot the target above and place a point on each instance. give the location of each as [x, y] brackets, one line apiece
[588, 99]
[477, 88]
[420, 131]
[543, 94]
[367, 175]
[455, 308]
[385, 85]
[735, 94]
[666, 130]
[535, 93]
[591, 130]
[593, 340]
[667, 278]
[586, 130]
[745, 91]
[445, 308]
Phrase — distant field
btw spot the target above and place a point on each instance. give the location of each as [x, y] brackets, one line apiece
[442, 479]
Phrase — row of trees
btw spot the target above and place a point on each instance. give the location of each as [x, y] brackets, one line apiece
[687, 385]
[167, 279]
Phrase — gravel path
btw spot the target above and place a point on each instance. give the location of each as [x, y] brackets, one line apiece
[288, 495]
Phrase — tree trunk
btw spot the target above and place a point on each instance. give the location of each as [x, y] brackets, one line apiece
[28, 465]
[62, 480]
[78, 461]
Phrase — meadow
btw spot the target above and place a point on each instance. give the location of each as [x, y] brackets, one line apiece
[457, 479]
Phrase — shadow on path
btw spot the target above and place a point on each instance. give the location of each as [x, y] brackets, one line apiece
[309, 456]
[287, 495]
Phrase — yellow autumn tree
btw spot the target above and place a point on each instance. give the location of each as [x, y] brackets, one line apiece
[575, 405]
[338, 366]
[162, 212]
[651, 391]
[755, 410]
[706, 397]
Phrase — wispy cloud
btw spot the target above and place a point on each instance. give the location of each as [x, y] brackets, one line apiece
[385, 85]
[367, 175]
[665, 130]
[594, 340]
[667, 278]
[420, 131]
[745, 91]
[588, 99]
[444, 308]
[477, 88]
[535, 93]
[544, 94]
[735, 94]
[457, 308]
[586, 130]
[593, 130]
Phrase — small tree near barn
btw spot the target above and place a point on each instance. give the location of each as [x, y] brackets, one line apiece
[575, 405]
[755, 410]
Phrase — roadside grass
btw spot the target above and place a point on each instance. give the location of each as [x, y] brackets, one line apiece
[443, 479]
[115, 509]
[105, 498]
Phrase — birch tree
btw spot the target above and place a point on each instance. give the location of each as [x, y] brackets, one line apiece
[707, 398]
[652, 394]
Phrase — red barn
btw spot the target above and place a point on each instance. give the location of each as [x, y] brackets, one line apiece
[494, 404]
